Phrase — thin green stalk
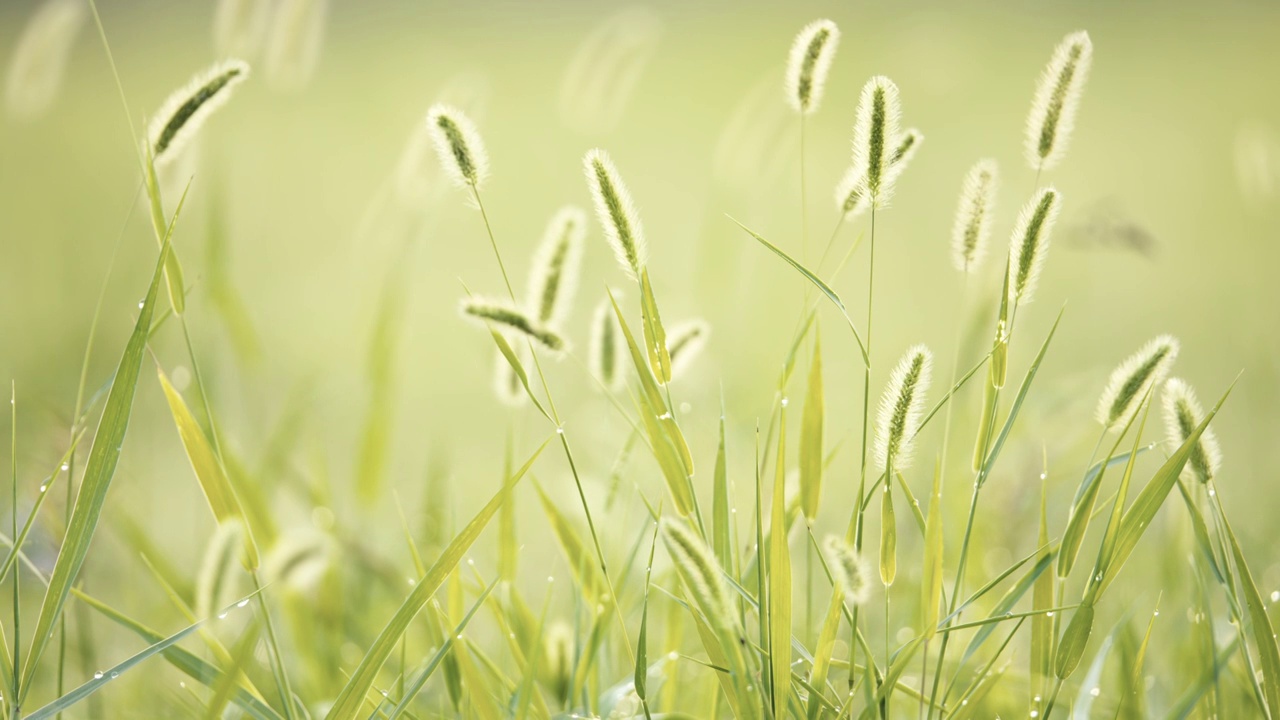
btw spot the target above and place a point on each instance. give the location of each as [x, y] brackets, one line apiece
[277, 659]
[17, 608]
[856, 522]
[560, 431]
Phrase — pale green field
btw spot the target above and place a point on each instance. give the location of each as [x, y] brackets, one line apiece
[302, 181]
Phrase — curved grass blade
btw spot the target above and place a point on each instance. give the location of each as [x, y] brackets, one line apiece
[817, 282]
[779, 606]
[99, 471]
[1263, 631]
[351, 698]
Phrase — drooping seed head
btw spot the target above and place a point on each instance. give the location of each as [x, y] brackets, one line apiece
[299, 558]
[849, 571]
[616, 211]
[809, 63]
[1053, 111]
[876, 137]
[701, 574]
[186, 110]
[553, 276]
[556, 669]
[1029, 244]
[458, 145]
[908, 145]
[1131, 380]
[295, 36]
[512, 320]
[974, 215]
[1182, 415]
[607, 354]
[901, 407]
[40, 57]
[685, 342]
[238, 27]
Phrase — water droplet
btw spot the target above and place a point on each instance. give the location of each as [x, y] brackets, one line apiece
[685, 407]
[65, 467]
[222, 616]
[44, 487]
[97, 675]
[551, 579]
[140, 304]
[1095, 692]
[785, 402]
[1212, 492]
[242, 603]
[1050, 614]
[1035, 713]
[1157, 613]
[1044, 476]
[114, 674]
[560, 430]
[1275, 596]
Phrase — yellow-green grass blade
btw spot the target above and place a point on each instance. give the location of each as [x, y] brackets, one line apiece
[1143, 510]
[580, 560]
[213, 481]
[822, 652]
[721, 517]
[780, 582]
[420, 680]
[811, 436]
[1263, 631]
[99, 471]
[1082, 507]
[44, 493]
[504, 347]
[103, 678]
[375, 438]
[1042, 623]
[351, 698]
[227, 685]
[655, 336]
[931, 582]
[642, 645]
[817, 282]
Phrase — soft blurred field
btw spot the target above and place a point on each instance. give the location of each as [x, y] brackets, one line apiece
[303, 177]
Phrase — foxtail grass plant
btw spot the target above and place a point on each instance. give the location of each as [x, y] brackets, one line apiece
[648, 603]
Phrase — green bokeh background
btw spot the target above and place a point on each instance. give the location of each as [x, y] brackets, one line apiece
[312, 238]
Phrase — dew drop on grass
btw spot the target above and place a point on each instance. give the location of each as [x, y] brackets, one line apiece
[44, 487]
[222, 616]
[114, 675]
[65, 467]
[97, 675]
[685, 407]
[242, 603]
[1095, 692]
[1275, 596]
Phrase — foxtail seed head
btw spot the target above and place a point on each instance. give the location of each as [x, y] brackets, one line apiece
[1182, 415]
[701, 574]
[182, 113]
[616, 211]
[876, 137]
[684, 344]
[849, 571]
[512, 319]
[851, 191]
[1053, 111]
[553, 277]
[458, 144]
[1131, 380]
[606, 353]
[901, 407]
[908, 144]
[973, 216]
[809, 63]
[40, 57]
[1029, 244]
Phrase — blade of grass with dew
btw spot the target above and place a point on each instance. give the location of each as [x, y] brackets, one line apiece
[1005, 605]
[420, 680]
[1140, 514]
[655, 336]
[101, 679]
[504, 347]
[642, 645]
[811, 430]
[1042, 594]
[780, 582]
[817, 282]
[823, 651]
[35, 508]
[577, 557]
[1082, 509]
[721, 517]
[1263, 631]
[931, 582]
[351, 698]
[227, 685]
[99, 471]
[213, 481]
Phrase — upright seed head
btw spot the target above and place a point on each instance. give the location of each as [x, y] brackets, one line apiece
[851, 191]
[181, 115]
[908, 144]
[849, 571]
[876, 137]
[1131, 380]
[553, 276]
[901, 407]
[1053, 111]
[1182, 415]
[809, 63]
[294, 39]
[1029, 244]
[616, 211]
[238, 27]
[973, 216]
[458, 145]
[606, 353]
[512, 319]
[685, 342]
[40, 57]
[701, 574]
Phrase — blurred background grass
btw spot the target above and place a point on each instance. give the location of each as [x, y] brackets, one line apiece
[1164, 230]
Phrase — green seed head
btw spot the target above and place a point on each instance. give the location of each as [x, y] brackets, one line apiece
[185, 111]
[701, 574]
[1053, 111]
[1131, 380]
[973, 216]
[1182, 415]
[809, 63]
[876, 137]
[512, 320]
[901, 407]
[458, 144]
[616, 211]
[553, 276]
[1029, 244]
[849, 571]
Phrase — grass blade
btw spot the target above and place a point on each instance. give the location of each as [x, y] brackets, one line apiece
[780, 582]
[811, 430]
